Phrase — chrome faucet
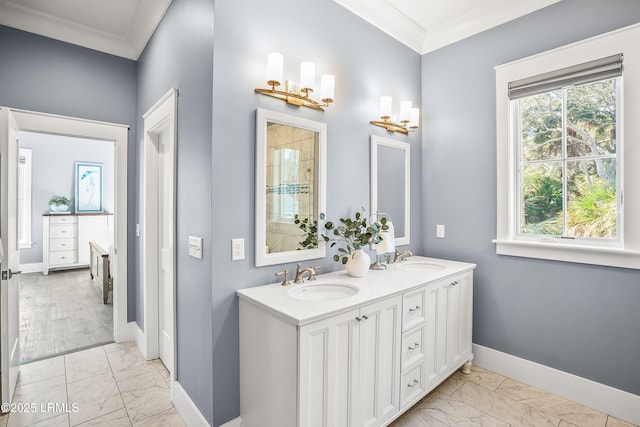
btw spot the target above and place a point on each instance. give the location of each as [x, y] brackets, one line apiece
[311, 270]
[402, 256]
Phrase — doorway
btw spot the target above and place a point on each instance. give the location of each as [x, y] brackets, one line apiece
[62, 308]
[159, 247]
[20, 120]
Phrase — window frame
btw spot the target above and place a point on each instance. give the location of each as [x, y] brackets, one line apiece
[27, 185]
[627, 253]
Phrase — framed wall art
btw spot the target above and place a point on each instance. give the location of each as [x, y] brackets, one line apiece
[88, 187]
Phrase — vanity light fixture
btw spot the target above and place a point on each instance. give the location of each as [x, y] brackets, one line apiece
[409, 117]
[294, 94]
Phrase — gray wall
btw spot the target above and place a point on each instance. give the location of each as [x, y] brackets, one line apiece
[367, 64]
[180, 55]
[45, 75]
[577, 318]
[53, 173]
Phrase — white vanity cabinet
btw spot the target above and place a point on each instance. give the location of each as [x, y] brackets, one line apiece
[349, 367]
[357, 361]
[436, 335]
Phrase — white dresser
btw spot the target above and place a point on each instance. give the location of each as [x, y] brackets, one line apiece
[65, 239]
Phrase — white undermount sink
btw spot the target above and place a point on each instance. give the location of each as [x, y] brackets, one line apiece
[419, 265]
[323, 291]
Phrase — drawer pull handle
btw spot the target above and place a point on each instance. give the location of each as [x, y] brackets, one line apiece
[455, 282]
[415, 309]
[415, 383]
[416, 345]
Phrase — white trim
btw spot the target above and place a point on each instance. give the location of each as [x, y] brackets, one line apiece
[137, 335]
[406, 148]
[84, 128]
[615, 42]
[236, 422]
[188, 410]
[609, 400]
[162, 116]
[36, 267]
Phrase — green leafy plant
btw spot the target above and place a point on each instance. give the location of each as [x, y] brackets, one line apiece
[59, 201]
[350, 233]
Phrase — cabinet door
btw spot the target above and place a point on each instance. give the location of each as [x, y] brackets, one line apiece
[459, 294]
[329, 352]
[380, 337]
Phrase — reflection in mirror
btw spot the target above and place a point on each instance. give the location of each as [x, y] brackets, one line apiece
[390, 184]
[290, 181]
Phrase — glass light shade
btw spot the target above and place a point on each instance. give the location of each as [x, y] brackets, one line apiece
[275, 63]
[307, 76]
[415, 118]
[405, 111]
[327, 87]
[385, 106]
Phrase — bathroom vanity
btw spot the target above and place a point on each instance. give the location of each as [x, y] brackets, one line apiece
[341, 351]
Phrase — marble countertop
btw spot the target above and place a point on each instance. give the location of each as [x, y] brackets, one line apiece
[415, 272]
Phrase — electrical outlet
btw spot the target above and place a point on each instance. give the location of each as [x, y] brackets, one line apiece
[195, 247]
[440, 231]
[237, 249]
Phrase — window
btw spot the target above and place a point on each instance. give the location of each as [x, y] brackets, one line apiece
[562, 146]
[24, 198]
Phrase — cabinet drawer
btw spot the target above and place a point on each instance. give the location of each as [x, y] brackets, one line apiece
[69, 244]
[61, 231]
[412, 309]
[412, 347]
[63, 257]
[63, 219]
[411, 385]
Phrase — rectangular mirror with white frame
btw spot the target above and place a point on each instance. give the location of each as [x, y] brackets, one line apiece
[290, 181]
[390, 184]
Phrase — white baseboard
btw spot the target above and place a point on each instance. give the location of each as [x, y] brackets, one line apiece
[609, 400]
[190, 414]
[36, 267]
[236, 422]
[139, 337]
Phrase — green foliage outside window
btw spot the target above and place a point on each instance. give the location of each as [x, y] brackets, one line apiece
[568, 162]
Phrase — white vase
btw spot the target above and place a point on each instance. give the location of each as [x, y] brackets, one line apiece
[58, 208]
[358, 263]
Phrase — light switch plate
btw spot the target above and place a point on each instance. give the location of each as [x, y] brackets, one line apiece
[195, 247]
[440, 231]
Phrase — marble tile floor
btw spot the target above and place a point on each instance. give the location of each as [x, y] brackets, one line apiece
[61, 312]
[484, 398]
[110, 385]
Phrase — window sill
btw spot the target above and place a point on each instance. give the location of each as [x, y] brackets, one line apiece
[611, 257]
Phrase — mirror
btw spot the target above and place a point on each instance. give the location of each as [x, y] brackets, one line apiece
[390, 184]
[290, 180]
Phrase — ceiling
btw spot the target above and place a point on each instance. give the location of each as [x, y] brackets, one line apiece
[123, 27]
[118, 27]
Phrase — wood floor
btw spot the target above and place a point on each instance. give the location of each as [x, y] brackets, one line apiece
[61, 312]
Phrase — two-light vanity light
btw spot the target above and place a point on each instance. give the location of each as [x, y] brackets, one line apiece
[298, 94]
[409, 117]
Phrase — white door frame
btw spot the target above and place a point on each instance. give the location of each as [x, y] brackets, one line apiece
[91, 129]
[160, 117]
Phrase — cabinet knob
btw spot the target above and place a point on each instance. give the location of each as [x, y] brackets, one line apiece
[365, 317]
[417, 307]
[415, 383]
[416, 345]
[358, 318]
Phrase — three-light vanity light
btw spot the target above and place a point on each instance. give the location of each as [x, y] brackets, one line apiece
[298, 94]
[409, 116]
